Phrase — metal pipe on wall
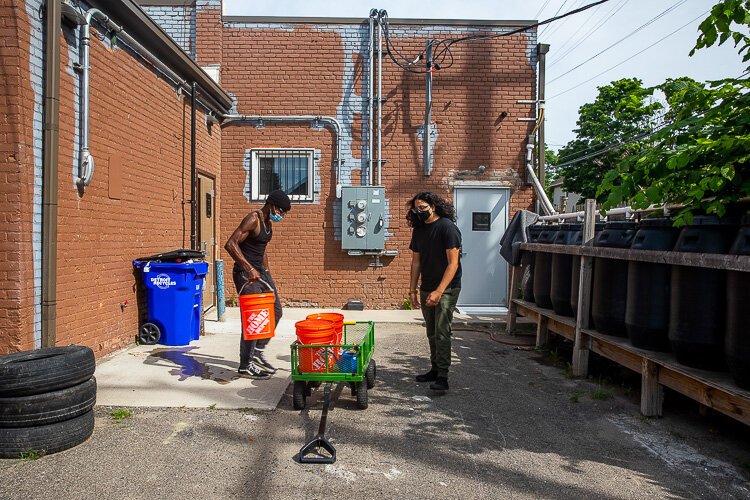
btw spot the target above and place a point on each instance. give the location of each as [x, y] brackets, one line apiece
[193, 166]
[426, 157]
[542, 50]
[50, 173]
[370, 92]
[381, 15]
[238, 119]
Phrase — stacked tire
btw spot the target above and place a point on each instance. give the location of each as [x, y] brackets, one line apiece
[47, 398]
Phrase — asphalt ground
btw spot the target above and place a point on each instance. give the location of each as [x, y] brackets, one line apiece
[513, 425]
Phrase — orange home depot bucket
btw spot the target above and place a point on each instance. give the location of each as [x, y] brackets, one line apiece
[257, 315]
[314, 331]
[337, 320]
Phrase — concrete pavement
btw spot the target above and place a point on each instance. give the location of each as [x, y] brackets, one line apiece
[204, 373]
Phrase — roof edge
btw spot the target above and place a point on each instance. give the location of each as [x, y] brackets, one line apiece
[400, 21]
[140, 26]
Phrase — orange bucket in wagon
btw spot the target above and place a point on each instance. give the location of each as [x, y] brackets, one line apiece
[314, 331]
[338, 323]
[257, 314]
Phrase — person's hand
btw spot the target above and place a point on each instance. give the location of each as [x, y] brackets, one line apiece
[414, 299]
[252, 274]
[433, 299]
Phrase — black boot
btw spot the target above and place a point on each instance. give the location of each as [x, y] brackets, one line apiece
[440, 384]
[427, 377]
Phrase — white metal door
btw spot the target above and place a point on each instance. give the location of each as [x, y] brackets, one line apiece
[482, 217]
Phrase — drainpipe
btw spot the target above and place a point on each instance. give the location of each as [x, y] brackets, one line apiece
[547, 207]
[381, 15]
[49, 188]
[327, 120]
[193, 197]
[542, 50]
[86, 164]
[426, 157]
[370, 107]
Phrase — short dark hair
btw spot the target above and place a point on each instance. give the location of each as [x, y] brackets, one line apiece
[279, 199]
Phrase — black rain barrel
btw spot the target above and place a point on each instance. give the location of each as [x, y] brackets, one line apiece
[698, 296]
[647, 308]
[737, 346]
[575, 275]
[543, 268]
[562, 269]
[610, 289]
[527, 264]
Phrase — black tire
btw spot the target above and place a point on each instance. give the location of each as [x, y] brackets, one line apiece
[371, 374]
[45, 370]
[149, 334]
[298, 396]
[46, 439]
[362, 395]
[315, 383]
[48, 408]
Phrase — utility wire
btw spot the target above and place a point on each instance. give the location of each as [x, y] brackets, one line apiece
[556, 13]
[554, 29]
[631, 57]
[648, 23]
[536, 16]
[609, 15]
[407, 64]
[570, 38]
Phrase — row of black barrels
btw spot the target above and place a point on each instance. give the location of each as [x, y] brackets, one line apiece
[701, 315]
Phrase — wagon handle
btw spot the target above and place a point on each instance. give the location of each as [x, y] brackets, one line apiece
[319, 442]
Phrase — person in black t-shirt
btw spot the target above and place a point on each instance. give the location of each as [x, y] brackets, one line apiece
[247, 246]
[436, 247]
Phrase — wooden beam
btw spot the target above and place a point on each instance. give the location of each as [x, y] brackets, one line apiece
[582, 342]
[706, 260]
[515, 273]
[652, 393]
[542, 332]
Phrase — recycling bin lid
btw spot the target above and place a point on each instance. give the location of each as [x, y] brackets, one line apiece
[179, 255]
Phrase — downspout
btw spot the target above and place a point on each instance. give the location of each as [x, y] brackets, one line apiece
[547, 207]
[50, 158]
[193, 197]
[329, 120]
[381, 14]
[542, 50]
[426, 156]
[370, 107]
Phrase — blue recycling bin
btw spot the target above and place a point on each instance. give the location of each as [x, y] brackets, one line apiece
[174, 292]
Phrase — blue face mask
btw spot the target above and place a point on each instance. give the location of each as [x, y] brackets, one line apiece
[276, 217]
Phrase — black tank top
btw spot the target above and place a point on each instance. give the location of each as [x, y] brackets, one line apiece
[253, 248]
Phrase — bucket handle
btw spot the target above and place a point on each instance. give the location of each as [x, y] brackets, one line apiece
[270, 289]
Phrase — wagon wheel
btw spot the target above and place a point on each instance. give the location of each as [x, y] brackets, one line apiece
[149, 334]
[362, 395]
[298, 396]
[371, 374]
[309, 388]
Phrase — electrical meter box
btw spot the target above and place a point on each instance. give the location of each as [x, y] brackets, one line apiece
[362, 218]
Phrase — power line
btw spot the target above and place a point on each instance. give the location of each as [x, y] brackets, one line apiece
[629, 58]
[541, 9]
[407, 64]
[651, 21]
[556, 13]
[554, 29]
[609, 15]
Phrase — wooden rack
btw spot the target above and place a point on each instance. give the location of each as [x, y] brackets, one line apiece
[716, 390]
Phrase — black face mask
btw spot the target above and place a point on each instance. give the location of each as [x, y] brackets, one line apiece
[423, 216]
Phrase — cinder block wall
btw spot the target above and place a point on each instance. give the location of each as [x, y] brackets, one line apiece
[298, 69]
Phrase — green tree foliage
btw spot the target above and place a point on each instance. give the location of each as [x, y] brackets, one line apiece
[622, 111]
[550, 171]
[701, 158]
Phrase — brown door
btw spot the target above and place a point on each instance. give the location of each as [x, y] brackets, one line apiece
[207, 236]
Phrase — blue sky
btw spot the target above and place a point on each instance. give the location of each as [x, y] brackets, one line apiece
[573, 67]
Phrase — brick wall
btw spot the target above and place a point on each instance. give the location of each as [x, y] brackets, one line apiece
[322, 70]
[140, 123]
[17, 171]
